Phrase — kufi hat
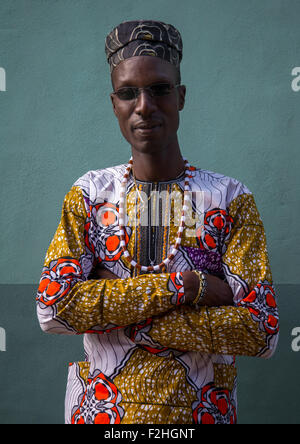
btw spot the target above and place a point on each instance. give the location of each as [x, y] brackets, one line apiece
[143, 38]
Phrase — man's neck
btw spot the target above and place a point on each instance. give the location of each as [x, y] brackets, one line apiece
[157, 167]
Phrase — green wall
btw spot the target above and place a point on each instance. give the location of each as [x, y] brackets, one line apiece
[241, 119]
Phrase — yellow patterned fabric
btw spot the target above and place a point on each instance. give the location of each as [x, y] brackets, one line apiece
[69, 237]
[225, 376]
[225, 330]
[169, 393]
[151, 357]
[246, 253]
[94, 303]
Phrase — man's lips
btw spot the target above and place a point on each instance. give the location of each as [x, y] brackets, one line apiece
[146, 126]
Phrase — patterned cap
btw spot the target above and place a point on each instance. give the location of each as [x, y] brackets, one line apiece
[143, 38]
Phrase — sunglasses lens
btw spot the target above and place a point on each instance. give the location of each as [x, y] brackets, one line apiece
[127, 93]
[161, 89]
[157, 90]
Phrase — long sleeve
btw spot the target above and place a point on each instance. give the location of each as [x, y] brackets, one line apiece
[69, 303]
[250, 327]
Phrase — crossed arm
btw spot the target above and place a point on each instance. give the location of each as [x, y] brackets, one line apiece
[70, 303]
[217, 328]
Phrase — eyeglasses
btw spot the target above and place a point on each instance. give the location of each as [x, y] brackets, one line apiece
[156, 90]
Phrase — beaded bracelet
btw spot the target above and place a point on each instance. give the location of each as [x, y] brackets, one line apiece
[202, 287]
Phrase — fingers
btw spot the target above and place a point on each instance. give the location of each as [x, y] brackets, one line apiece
[219, 293]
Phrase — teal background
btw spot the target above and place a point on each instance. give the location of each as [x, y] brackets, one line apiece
[241, 119]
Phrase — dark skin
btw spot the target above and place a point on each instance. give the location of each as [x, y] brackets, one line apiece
[150, 126]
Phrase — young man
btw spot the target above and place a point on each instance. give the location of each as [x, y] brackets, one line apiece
[164, 303]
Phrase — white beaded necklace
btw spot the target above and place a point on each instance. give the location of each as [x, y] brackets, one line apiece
[174, 251]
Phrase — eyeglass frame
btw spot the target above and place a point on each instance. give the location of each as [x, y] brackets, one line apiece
[147, 89]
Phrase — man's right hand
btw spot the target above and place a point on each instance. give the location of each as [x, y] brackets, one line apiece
[218, 292]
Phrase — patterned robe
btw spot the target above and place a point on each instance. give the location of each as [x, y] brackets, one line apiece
[149, 356]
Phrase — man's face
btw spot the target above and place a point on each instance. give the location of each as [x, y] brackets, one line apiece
[148, 123]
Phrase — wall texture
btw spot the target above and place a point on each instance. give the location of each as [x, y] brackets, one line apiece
[241, 119]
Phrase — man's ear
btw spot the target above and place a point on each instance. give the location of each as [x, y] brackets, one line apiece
[181, 97]
[112, 98]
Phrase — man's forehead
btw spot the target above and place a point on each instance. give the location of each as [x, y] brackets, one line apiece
[143, 70]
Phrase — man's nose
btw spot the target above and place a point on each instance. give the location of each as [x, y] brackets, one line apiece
[145, 104]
